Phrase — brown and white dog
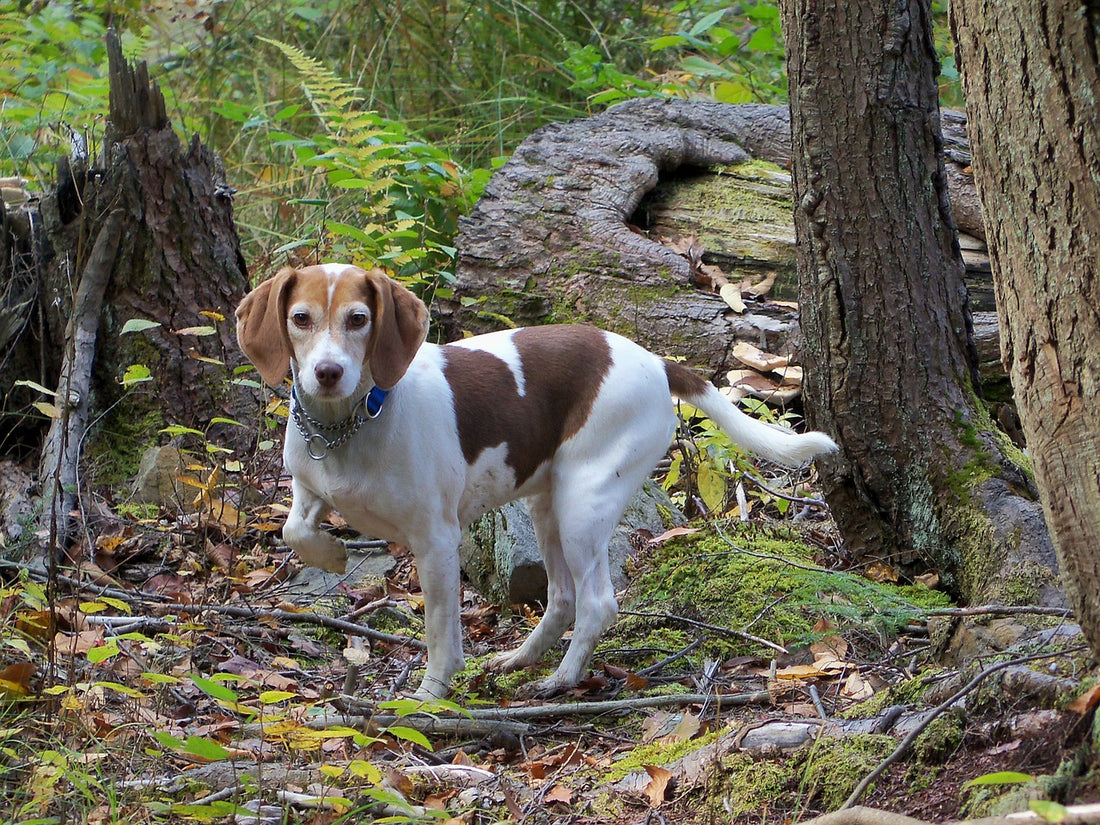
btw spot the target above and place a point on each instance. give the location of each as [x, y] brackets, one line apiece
[411, 441]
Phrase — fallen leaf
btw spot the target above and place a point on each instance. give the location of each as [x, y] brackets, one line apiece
[879, 573]
[686, 729]
[15, 680]
[801, 672]
[1086, 701]
[672, 533]
[929, 580]
[559, 793]
[659, 779]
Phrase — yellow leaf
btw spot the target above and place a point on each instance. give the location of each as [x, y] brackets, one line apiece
[47, 409]
[712, 486]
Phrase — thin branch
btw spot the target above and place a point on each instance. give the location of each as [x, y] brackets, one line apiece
[306, 618]
[728, 631]
[938, 711]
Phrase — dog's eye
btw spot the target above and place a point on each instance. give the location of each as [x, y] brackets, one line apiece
[300, 319]
[357, 320]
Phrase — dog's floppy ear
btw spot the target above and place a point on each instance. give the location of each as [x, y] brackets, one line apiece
[261, 326]
[400, 325]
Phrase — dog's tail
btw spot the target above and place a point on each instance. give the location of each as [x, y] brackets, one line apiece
[768, 440]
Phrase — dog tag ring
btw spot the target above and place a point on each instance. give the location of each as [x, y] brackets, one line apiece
[317, 455]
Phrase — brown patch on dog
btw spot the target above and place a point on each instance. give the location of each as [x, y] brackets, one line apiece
[563, 369]
[683, 382]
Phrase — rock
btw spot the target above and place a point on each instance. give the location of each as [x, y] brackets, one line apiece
[158, 480]
[364, 567]
[16, 505]
[500, 554]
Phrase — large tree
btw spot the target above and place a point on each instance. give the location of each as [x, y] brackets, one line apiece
[1031, 75]
[923, 477]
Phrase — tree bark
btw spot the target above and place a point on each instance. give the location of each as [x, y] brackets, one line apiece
[177, 261]
[922, 479]
[1030, 75]
[576, 225]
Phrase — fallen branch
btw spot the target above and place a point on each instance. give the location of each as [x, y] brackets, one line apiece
[860, 815]
[59, 467]
[1000, 610]
[531, 712]
[307, 618]
[729, 631]
[938, 711]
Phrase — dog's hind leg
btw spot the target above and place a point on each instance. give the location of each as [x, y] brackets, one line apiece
[560, 592]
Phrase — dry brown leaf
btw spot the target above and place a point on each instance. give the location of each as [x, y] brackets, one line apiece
[685, 729]
[930, 580]
[856, 688]
[559, 793]
[15, 680]
[1086, 701]
[658, 784]
[801, 672]
[879, 573]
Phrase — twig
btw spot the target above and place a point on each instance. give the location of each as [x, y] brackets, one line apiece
[649, 671]
[812, 502]
[938, 711]
[729, 631]
[307, 618]
[1000, 610]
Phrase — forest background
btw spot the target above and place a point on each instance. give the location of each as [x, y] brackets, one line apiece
[364, 131]
[445, 91]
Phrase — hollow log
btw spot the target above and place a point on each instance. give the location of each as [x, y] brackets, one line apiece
[581, 222]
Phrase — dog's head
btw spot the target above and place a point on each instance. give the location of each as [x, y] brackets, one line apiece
[344, 327]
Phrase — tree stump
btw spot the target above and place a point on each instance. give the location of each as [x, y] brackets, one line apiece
[154, 220]
[575, 227]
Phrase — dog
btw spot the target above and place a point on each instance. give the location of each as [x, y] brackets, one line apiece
[411, 442]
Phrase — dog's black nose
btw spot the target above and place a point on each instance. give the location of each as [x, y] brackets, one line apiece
[328, 373]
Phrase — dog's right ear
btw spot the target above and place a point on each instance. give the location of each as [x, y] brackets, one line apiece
[261, 326]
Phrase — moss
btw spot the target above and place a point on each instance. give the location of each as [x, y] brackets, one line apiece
[657, 754]
[822, 774]
[940, 739]
[116, 450]
[759, 578]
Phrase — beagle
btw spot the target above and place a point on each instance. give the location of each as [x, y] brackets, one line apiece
[411, 441]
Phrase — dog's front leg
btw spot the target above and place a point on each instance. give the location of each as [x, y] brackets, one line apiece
[303, 533]
[437, 567]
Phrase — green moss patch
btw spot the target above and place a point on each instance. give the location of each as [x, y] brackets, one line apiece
[756, 579]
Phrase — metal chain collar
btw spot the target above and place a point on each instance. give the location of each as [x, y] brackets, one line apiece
[318, 444]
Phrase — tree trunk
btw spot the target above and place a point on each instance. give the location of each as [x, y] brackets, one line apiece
[177, 261]
[1031, 75]
[923, 478]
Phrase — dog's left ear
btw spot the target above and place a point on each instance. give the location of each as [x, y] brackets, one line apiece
[400, 326]
[261, 326]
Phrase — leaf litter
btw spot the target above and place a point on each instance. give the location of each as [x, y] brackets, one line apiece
[181, 651]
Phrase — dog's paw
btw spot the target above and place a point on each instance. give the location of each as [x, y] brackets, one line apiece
[542, 689]
[431, 688]
[505, 662]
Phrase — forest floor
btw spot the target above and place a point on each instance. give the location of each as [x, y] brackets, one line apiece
[189, 671]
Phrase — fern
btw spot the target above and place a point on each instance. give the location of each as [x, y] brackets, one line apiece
[361, 144]
[387, 176]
